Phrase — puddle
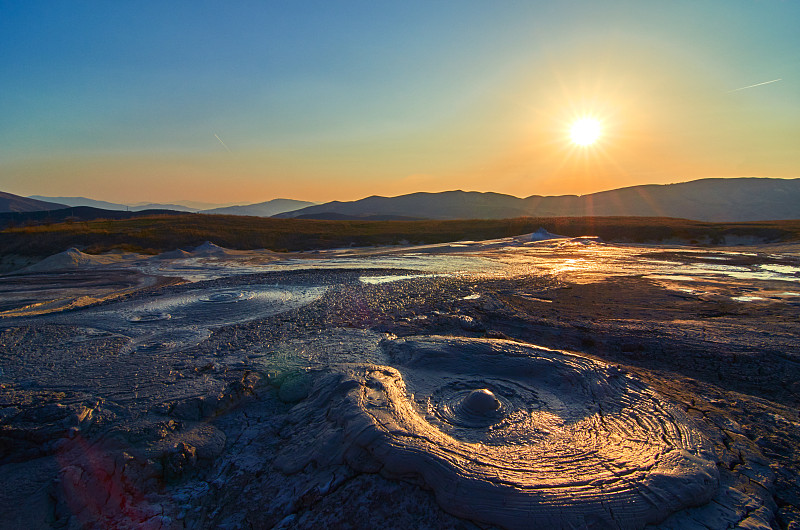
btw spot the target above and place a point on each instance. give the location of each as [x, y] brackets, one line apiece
[748, 298]
[377, 280]
[782, 269]
[218, 307]
[535, 299]
[676, 277]
[740, 273]
[201, 269]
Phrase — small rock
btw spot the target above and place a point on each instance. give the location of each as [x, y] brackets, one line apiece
[470, 324]
[180, 460]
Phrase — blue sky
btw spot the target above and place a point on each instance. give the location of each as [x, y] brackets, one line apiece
[338, 100]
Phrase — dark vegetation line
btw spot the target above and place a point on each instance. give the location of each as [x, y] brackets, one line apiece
[158, 233]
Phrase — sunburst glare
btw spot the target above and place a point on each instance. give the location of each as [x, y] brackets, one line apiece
[585, 131]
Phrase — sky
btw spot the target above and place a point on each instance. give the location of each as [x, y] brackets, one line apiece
[242, 102]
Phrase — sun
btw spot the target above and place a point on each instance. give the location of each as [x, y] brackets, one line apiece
[585, 131]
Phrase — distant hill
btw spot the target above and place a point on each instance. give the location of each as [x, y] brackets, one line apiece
[81, 201]
[714, 200]
[195, 206]
[262, 209]
[328, 216]
[73, 213]
[84, 201]
[14, 203]
[444, 205]
[159, 206]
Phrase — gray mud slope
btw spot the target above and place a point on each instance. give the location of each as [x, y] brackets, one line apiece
[358, 410]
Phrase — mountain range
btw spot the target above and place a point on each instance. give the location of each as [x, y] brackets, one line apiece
[105, 205]
[712, 199]
[262, 209]
[73, 213]
[14, 203]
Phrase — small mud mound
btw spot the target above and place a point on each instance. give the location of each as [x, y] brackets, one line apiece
[72, 259]
[226, 297]
[470, 406]
[209, 249]
[512, 435]
[154, 316]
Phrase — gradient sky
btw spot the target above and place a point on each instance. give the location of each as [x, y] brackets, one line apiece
[337, 100]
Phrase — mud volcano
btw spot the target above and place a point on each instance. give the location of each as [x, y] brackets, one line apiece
[512, 435]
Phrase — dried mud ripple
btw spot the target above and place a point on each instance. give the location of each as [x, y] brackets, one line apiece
[510, 435]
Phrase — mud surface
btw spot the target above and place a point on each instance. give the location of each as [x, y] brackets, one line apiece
[554, 384]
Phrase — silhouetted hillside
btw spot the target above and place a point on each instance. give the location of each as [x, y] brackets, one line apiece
[719, 200]
[105, 205]
[329, 216]
[14, 203]
[444, 205]
[262, 209]
[73, 214]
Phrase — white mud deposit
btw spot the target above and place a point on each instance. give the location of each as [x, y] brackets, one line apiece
[511, 435]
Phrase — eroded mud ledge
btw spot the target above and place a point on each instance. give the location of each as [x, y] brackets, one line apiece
[347, 409]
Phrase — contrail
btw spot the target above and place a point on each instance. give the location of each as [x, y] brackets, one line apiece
[223, 143]
[757, 84]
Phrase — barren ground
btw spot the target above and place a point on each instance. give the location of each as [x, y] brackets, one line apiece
[210, 419]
